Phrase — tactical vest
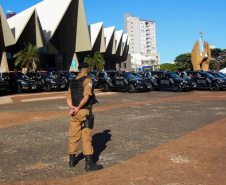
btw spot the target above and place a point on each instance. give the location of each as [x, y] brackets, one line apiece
[77, 91]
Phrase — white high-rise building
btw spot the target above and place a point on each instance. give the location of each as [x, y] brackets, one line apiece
[143, 46]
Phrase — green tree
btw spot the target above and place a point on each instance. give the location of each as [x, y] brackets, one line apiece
[171, 67]
[26, 56]
[97, 60]
[183, 62]
[218, 58]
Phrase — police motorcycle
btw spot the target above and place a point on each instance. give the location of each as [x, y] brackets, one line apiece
[111, 81]
[205, 80]
[165, 79]
[135, 83]
[19, 82]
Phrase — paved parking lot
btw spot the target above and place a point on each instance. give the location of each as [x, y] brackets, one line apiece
[158, 137]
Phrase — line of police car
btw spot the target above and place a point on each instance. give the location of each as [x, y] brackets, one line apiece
[114, 80]
[157, 80]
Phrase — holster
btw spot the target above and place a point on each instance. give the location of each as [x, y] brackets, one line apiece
[89, 122]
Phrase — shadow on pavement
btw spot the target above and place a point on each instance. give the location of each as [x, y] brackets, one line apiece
[99, 144]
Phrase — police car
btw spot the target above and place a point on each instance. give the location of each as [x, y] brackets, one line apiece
[19, 82]
[165, 79]
[51, 82]
[111, 81]
[205, 80]
[3, 87]
[135, 83]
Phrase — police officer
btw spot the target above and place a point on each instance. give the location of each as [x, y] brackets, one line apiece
[79, 99]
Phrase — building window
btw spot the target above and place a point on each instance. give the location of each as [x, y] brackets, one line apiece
[124, 65]
[120, 65]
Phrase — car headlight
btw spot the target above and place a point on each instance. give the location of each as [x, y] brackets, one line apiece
[53, 82]
[220, 80]
[24, 83]
[185, 81]
[138, 81]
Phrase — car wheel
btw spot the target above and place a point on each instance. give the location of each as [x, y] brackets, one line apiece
[214, 87]
[18, 89]
[131, 88]
[46, 88]
[104, 87]
[176, 88]
[150, 87]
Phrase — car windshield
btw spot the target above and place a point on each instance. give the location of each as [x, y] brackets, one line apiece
[70, 75]
[129, 75]
[220, 75]
[209, 75]
[173, 75]
[21, 76]
[139, 75]
[48, 76]
[90, 75]
[52, 76]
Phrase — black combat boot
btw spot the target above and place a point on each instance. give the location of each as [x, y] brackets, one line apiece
[72, 161]
[90, 166]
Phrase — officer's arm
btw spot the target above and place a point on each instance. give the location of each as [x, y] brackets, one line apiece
[83, 102]
[69, 100]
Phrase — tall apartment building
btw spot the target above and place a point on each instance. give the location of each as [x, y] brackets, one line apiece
[143, 46]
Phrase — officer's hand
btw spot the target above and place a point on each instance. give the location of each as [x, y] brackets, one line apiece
[72, 110]
[76, 109]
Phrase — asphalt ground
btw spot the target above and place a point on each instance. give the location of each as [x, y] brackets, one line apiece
[34, 133]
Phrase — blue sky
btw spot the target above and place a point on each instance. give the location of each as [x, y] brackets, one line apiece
[178, 22]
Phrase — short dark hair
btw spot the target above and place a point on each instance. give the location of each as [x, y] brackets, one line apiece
[83, 65]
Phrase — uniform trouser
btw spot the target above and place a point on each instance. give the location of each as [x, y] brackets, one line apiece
[76, 131]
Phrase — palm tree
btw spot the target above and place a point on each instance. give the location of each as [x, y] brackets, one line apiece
[26, 56]
[97, 60]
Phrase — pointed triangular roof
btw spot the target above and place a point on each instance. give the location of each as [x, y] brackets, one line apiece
[3, 63]
[82, 36]
[118, 40]
[18, 22]
[94, 30]
[97, 35]
[50, 13]
[124, 41]
[109, 34]
[7, 34]
[40, 38]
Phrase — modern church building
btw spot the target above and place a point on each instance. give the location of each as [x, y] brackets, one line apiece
[59, 28]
